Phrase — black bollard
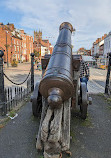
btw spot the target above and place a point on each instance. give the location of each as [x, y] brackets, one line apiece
[2, 94]
[32, 72]
[108, 75]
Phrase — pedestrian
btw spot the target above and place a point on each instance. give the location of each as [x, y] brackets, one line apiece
[84, 71]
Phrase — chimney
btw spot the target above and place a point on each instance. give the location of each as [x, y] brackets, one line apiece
[105, 35]
[1, 23]
[10, 26]
[102, 37]
[99, 39]
[22, 31]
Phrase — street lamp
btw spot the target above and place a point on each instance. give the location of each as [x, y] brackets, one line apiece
[11, 56]
[6, 45]
[7, 49]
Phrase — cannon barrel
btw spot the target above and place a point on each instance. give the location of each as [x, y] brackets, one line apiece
[57, 82]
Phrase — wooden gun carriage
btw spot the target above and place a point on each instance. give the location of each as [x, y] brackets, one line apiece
[57, 93]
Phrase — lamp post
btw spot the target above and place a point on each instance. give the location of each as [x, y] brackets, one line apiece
[2, 95]
[11, 56]
[32, 72]
[7, 49]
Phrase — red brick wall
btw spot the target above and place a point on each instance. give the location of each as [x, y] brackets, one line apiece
[16, 48]
[29, 46]
[15, 44]
[4, 33]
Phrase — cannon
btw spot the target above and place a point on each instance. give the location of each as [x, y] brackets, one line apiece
[57, 93]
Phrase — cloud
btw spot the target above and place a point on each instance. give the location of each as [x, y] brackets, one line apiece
[90, 18]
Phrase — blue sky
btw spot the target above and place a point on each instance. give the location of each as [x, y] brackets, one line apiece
[90, 18]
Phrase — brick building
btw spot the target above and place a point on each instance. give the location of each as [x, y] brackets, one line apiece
[98, 47]
[15, 43]
[41, 46]
[88, 52]
[81, 51]
[27, 45]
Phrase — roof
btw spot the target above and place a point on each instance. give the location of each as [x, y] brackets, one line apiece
[45, 41]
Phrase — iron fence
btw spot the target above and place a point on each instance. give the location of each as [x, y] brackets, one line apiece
[15, 95]
[10, 97]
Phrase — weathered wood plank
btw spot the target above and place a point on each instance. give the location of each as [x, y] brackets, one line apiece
[52, 150]
[51, 156]
[39, 145]
[55, 127]
[66, 126]
[45, 125]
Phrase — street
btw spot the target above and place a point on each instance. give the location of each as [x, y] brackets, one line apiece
[19, 74]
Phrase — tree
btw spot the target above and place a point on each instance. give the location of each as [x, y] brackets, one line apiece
[37, 54]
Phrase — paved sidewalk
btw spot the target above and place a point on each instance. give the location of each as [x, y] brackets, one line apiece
[19, 74]
[90, 138]
[17, 138]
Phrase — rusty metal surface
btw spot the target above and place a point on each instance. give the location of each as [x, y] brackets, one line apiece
[66, 25]
[45, 60]
[44, 63]
[59, 72]
[76, 62]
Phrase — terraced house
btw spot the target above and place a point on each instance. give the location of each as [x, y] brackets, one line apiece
[15, 43]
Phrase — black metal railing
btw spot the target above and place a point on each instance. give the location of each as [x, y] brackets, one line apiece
[15, 95]
[10, 97]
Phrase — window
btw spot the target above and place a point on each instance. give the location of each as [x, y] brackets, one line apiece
[24, 44]
[15, 48]
[18, 49]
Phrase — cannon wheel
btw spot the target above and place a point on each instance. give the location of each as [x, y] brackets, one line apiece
[36, 101]
[83, 100]
[37, 106]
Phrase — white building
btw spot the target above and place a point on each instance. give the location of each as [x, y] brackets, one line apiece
[107, 44]
[44, 50]
[96, 48]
